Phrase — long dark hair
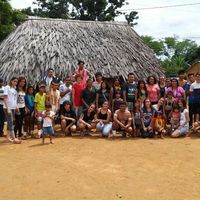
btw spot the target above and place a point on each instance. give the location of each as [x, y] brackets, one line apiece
[107, 86]
[148, 79]
[18, 84]
[138, 87]
[12, 79]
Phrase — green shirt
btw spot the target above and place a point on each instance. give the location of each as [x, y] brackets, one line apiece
[40, 101]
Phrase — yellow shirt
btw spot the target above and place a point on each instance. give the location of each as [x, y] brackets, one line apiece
[40, 100]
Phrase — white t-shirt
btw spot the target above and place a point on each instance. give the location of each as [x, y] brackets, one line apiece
[1, 95]
[48, 82]
[183, 117]
[21, 99]
[47, 122]
[67, 97]
[11, 96]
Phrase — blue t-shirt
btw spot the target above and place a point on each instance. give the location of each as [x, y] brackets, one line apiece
[29, 101]
[191, 96]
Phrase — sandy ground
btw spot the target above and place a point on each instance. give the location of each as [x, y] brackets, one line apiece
[92, 168]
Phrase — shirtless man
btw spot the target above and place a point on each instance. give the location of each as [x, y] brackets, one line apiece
[122, 120]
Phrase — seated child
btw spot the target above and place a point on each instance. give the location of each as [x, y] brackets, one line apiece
[175, 118]
[159, 124]
[48, 117]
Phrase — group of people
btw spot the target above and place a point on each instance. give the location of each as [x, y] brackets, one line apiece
[146, 108]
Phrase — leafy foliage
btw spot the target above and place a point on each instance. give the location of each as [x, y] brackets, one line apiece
[101, 10]
[173, 53]
[9, 18]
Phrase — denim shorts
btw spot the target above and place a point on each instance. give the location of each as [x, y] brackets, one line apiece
[48, 130]
[184, 130]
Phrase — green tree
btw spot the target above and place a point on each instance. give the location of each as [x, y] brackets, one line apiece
[156, 46]
[173, 53]
[9, 18]
[52, 8]
[101, 10]
[131, 17]
[6, 25]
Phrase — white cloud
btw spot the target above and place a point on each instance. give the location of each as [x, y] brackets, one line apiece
[21, 3]
[159, 23]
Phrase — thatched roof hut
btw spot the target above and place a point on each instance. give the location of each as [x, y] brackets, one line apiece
[195, 68]
[110, 47]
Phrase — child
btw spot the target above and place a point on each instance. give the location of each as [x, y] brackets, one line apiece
[48, 117]
[159, 125]
[168, 105]
[29, 118]
[137, 124]
[116, 102]
[175, 118]
[39, 107]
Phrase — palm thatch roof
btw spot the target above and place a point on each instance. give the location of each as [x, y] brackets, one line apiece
[110, 47]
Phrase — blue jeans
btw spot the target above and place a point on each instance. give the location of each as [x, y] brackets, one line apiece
[10, 119]
[104, 128]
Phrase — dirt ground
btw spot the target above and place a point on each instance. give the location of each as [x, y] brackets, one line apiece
[92, 168]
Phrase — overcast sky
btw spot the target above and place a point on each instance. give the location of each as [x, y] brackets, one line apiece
[159, 23]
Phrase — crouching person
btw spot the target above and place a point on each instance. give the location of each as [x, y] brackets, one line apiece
[68, 119]
[183, 129]
[86, 121]
[48, 118]
[122, 120]
[102, 118]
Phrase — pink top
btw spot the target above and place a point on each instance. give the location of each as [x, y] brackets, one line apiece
[77, 94]
[83, 73]
[153, 91]
[178, 92]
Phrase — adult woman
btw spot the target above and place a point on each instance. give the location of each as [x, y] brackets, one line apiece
[141, 92]
[102, 118]
[102, 95]
[77, 89]
[29, 118]
[153, 90]
[19, 115]
[147, 119]
[178, 92]
[162, 86]
[86, 121]
[184, 120]
[160, 105]
[68, 119]
[10, 106]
